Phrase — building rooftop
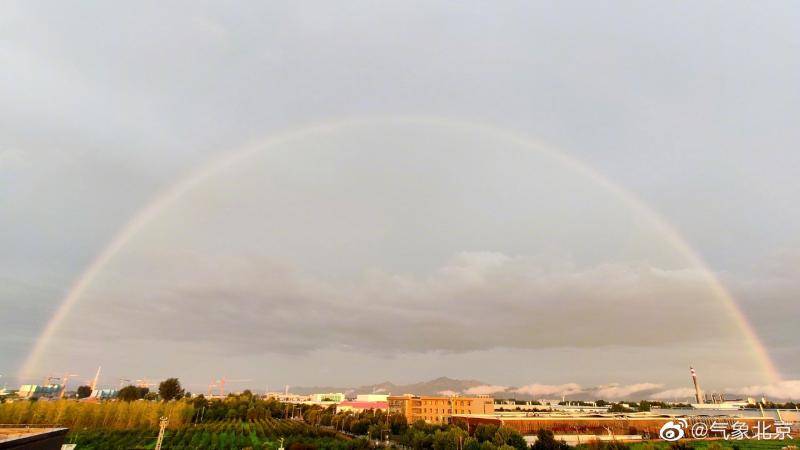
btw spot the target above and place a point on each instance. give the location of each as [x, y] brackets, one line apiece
[365, 405]
[556, 415]
[20, 436]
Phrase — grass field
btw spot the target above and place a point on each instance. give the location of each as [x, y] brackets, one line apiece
[260, 434]
[750, 444]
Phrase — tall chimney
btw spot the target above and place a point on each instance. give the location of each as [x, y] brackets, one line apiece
[697, 394]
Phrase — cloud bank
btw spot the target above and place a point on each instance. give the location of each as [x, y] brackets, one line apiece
[476, 301]
[785, 390]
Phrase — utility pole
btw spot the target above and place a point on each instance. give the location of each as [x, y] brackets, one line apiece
[162, 426]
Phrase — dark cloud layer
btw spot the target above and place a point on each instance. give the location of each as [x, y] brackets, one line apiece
[476, 301]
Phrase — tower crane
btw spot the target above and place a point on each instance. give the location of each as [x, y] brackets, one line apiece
[65, 380]
[221, 384]
[144, 383]
[96, 378]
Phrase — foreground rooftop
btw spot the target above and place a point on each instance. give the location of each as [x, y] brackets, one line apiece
[44, 438]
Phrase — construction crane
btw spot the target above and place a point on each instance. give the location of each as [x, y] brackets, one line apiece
[124, 382]
[221, 384]
[65, 380]
[144, 383]
[96, 378]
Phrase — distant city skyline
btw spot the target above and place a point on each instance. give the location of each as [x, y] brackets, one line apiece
[552, 197]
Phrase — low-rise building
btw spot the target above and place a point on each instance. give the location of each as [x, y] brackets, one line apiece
[38, 391]
[330, 397]
[577, 407]
[103, 394]
[433, 409]
[372, 397]
[287, 397]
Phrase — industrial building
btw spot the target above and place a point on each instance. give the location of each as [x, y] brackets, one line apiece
[103, 394]
[38, 391]
[438, 409]
[569, 407]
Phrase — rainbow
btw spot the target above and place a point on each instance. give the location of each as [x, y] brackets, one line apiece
[173, 193]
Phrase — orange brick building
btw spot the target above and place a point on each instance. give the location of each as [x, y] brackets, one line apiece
[438, 409]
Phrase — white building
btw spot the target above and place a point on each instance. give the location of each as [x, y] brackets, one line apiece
[330, 397]
[372, 398]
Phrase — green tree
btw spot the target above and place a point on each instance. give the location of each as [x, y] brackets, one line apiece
[546, 441]
[129, 394]
[472, 444]
[451, 439]
[517, 441]
[619, 408]
[487, 445]
[170, 389]
[501, 436]
[84, 391]
[398, 424]
[485, 432]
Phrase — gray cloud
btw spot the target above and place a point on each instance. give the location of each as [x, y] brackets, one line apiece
[783, 390]
[538, 390]
[610, 391]
[476, 301]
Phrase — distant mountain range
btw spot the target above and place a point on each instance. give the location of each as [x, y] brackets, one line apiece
[569, 391]
[432, 387]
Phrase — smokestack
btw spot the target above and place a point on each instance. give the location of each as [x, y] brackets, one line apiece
[697, 394]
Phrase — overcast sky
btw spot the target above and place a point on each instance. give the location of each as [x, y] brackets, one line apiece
[402, 250]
